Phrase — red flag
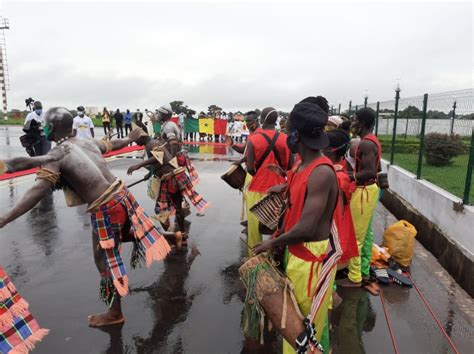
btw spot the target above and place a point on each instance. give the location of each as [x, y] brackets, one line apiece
[220, 126]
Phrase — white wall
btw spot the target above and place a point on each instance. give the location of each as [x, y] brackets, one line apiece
[462, 127]
[436, 205]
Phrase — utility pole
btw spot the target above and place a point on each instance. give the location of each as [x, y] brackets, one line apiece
[4, 82]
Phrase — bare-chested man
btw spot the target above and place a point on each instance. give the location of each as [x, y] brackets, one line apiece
[364, 199]
[311, 243]
[83, 175]
[175, 184]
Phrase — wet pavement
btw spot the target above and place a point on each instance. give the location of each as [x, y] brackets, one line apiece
[192, 301]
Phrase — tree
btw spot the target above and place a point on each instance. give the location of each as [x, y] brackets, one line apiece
[410, 112]
[179, 107]
[212, 109]
[436, 115]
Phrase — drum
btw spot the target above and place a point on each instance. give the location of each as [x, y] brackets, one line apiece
[269, 210]
[235, 177]
[269, 294]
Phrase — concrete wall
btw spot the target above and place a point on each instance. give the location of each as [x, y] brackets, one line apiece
[437, 205]
[445, 226]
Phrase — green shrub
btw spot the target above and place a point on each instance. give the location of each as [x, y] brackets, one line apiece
[441, 148]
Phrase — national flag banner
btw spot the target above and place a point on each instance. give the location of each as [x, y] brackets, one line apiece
[220, 126]
[206, 149]
[191, 125]
[206, 126]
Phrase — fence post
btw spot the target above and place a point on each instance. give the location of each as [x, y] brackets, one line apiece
[451, 130]
[377, 118]
[395, 117]
[422, 136]
[467, 187]
[339, 108]
[350, 106]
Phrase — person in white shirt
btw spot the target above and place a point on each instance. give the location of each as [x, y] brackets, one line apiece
[37, 145]
[82, 126]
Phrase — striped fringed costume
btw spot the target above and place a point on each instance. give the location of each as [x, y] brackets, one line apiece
[185, 161]
[178, 182]
[19, 331]
[109, 215]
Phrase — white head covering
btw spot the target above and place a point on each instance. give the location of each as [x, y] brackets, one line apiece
[165, 109]
[335, 120]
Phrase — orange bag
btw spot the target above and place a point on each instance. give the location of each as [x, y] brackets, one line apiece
[399, 238]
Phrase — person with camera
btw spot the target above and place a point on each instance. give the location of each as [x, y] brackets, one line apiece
[34, 140]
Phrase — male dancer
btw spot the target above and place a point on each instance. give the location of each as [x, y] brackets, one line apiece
[175, 184]
[310, 238]
[364, 199]
[83, 175]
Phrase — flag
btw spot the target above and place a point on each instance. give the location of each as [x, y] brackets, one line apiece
[191, 125]
[156, 127]
[206, 125]
[220, 126]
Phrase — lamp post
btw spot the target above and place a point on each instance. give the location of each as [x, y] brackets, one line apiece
[451, 130]
[395, 117]
[366, 97]
[350, 106]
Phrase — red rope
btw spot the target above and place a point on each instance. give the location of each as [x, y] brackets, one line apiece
[433, 315]
[392, 337]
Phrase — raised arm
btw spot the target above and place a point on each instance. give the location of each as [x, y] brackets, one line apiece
[25, 163]
[306, 230]
[31, 197]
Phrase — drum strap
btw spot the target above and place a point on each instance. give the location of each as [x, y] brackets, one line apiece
[271, 148]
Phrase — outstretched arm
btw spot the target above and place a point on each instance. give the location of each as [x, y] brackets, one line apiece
[39, 190]
[306, 230]
[24, 163]
[118, 144]
[145, 163]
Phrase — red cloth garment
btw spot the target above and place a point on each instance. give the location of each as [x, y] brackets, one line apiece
[343, 216]
[264, 179]
[297, 182]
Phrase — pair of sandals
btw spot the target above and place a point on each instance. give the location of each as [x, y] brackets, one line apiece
[386, 275]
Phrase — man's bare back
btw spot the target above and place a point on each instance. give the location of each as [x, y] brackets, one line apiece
[84, 168]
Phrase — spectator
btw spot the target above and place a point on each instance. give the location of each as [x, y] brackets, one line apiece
[106, 121]
[33, 128]
[118, 117]
[138, 117]
[82, 126]
[128, 122]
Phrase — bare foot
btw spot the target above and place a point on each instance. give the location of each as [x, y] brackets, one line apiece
[105, 319]
[347, 283]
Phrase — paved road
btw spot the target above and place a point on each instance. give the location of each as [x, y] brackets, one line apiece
[189, 306]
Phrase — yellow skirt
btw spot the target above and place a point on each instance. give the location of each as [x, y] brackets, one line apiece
[298, 271]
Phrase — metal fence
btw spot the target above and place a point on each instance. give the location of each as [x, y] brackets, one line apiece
[405, 125]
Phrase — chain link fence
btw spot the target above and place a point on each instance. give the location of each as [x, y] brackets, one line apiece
[431, 135]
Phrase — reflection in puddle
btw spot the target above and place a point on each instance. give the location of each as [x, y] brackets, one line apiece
[353, 317]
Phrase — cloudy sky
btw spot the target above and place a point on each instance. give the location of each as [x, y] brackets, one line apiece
[238, 56]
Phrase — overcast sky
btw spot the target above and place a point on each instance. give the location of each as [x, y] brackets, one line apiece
[238, 56]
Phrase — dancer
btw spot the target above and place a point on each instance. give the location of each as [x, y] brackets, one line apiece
[175, 184]
[310, 240]
[83, 175]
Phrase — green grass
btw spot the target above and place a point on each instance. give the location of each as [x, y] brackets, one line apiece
[451, 178]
